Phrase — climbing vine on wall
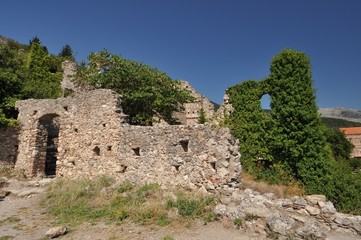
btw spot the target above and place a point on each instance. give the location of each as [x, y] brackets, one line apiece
[249, 123]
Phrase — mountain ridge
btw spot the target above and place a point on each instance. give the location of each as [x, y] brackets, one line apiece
[353, 115]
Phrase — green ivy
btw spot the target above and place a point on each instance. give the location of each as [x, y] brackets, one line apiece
[289, 143]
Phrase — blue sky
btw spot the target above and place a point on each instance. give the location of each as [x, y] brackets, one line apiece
[212, 44]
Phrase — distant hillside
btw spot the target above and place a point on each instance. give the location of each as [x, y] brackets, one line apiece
[337, 123]
[341, 113]
[339, 120]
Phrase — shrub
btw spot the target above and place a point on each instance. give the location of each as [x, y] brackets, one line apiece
[191, 206]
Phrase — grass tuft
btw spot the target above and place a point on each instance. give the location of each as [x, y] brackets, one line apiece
[280, 190]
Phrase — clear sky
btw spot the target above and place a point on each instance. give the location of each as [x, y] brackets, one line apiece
[213, 44]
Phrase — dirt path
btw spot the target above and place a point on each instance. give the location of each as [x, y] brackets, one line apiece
[22, 217]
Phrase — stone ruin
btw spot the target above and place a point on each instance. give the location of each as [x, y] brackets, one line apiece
[87, 135]
[192, 111]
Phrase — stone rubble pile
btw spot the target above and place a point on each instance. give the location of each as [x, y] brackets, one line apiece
[310, 217]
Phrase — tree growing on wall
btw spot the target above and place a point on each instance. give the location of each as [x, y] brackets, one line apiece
[202, 117]
[145, 90]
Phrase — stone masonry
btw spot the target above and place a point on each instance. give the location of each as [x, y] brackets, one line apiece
[87, 135]
[9, 146]
[191, 112]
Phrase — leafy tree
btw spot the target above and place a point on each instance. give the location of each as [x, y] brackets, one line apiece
[340, 146]
[144, 89]
[26, 72]
[299, 139]
[11, 77]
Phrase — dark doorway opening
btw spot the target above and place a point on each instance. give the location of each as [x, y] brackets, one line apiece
[47, 144]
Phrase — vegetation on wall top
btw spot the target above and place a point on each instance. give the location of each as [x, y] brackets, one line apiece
[145, 90]
[26, 71]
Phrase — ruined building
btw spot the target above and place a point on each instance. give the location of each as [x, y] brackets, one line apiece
[192, 111]
[87, 135]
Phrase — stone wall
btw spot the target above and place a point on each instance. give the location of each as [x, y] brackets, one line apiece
[193, 157]
[224, 110]
[69, 70]
[356, 141]
[191, 112]
[87, 135]
[33, 132]
[9, 146]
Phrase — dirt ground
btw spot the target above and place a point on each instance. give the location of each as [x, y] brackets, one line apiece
[22, 217]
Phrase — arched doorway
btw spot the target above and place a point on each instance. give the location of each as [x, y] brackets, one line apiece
[47, 145]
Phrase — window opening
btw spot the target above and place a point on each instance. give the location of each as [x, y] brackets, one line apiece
[124, 168]
[184, 144]
[136, 151]
[266, 102]
[96, 151]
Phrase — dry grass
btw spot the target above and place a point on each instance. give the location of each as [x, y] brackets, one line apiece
[281, 191]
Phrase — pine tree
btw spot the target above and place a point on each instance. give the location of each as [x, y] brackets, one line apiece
[67, 52]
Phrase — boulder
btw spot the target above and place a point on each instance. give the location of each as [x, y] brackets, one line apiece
[280, 223]
[56, 232]
[311, 230]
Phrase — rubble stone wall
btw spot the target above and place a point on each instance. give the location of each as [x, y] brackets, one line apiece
[90, 134]
[193, 157]
[9, 146]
